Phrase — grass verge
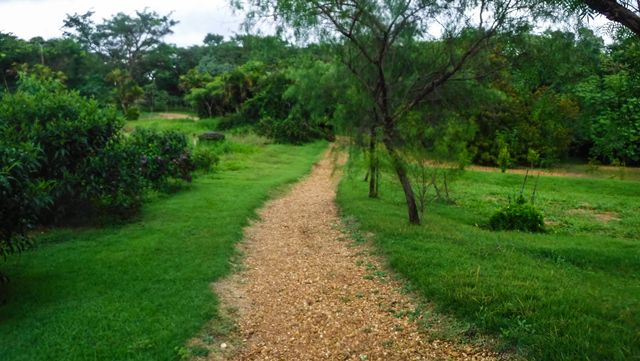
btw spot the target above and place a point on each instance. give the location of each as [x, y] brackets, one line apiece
[571, 293]
[138, 291]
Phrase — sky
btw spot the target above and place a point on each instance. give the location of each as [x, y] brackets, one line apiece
[30, 18]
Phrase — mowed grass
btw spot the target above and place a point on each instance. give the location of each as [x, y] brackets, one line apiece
[138, 291]
[572, 293]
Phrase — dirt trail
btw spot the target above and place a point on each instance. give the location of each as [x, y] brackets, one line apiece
[307, 292]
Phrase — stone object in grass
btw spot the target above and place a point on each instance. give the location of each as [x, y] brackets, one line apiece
[213, 136]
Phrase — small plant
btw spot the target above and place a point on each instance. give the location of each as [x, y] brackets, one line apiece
[504, 159]
[133, 113]
[205, 159]
[519, 215]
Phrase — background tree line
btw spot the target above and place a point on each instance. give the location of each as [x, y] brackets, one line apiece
[489, 90]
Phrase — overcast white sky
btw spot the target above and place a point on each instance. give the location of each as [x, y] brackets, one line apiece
[30, 18]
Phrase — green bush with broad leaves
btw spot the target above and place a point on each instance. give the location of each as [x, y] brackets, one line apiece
[112, 180]
[65, 157]
[67, 128]
[164, 156]
[23, 196]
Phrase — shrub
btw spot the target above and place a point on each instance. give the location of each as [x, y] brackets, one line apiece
[205, 159]
[67, 128]
[504, 158]
[519, 215]
[112, 180]
[23, 196]
[164, 155]
[133, 113]
[295, 129]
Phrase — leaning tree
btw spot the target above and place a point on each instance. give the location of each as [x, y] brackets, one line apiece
[382, 44]
[623, 12]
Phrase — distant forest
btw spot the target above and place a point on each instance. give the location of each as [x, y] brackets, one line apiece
[523, 98]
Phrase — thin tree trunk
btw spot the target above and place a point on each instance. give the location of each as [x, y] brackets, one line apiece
[401, 171]
[373, 165]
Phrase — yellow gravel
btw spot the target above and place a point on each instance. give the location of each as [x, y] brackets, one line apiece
[307, 292]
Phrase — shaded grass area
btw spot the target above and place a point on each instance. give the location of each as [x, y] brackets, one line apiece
[138, 291]
[571, 293]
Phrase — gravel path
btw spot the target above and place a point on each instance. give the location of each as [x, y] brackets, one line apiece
[307, 292]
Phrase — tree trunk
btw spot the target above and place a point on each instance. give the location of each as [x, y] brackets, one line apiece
[373, 165]
[401, 171]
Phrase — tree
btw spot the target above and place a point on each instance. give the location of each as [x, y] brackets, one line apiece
[125, 91]
[124, 40]
[380, 46]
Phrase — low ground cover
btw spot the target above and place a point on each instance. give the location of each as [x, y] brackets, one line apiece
[139, 290]
[570, 293]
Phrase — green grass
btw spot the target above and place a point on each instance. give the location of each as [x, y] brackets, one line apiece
[138, 291]
[572, 293]
[188, 126]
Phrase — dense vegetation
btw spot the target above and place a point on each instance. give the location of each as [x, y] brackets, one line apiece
[559, 93]
[496, 93]
[65, 158]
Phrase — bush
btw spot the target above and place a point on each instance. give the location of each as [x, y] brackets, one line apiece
[295, 129]
[112, 180]
[518, 216]
[205, 159]
[164, 155]
[23, 196]
[133, 113]
[68, 129]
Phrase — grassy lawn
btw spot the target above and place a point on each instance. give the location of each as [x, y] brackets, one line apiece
[572, 293]
[138, 291]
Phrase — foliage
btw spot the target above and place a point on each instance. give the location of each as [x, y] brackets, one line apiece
[81, 154]
[380, 43]
[611, 119]
[23, 196]
[208, 100]
[504, 158]
[154, 98]
[133, 113]
[66, 127]
[125, 92]
[164, 155]
[296, 129]
[205, 159]
[124, 40]
[150, 308]
[112, 180]
[519, 215]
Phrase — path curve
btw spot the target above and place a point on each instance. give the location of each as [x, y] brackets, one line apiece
[307, 292]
